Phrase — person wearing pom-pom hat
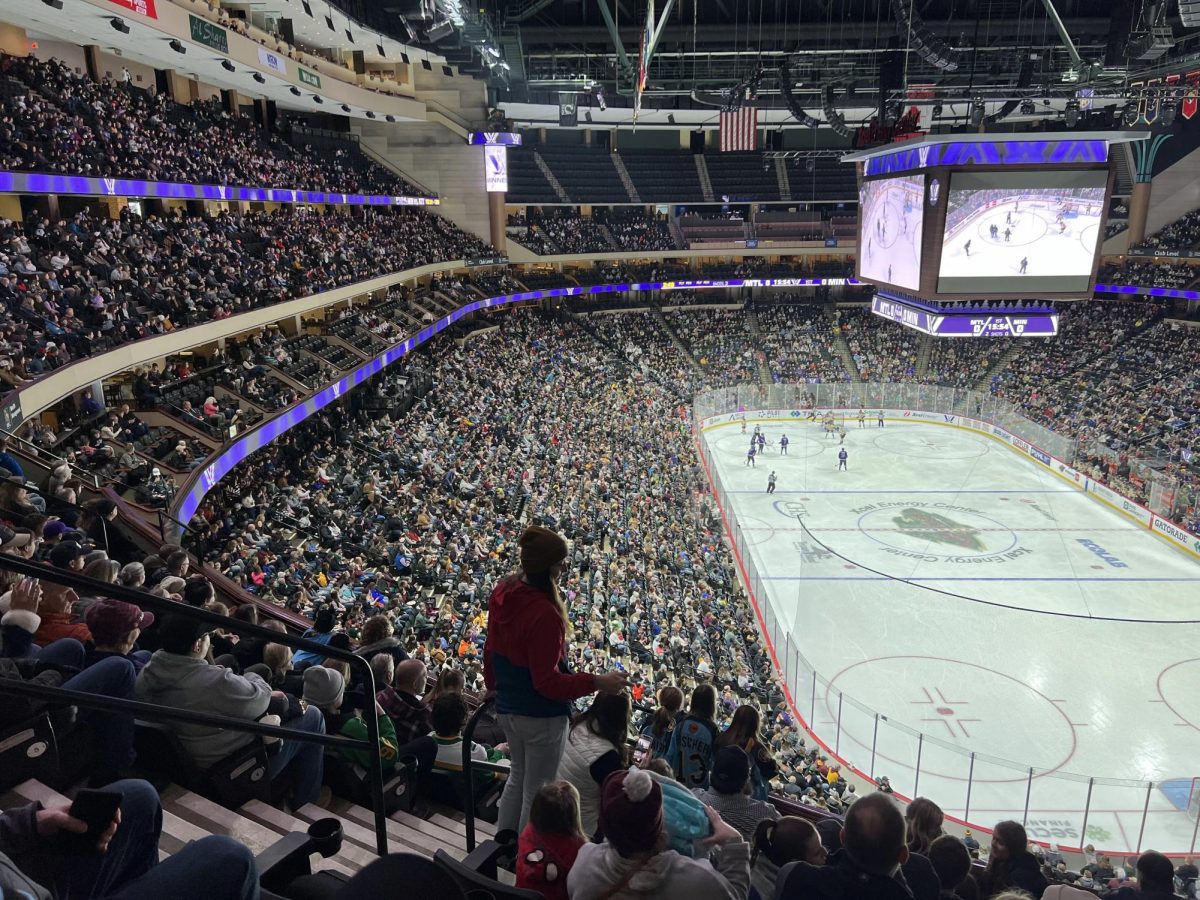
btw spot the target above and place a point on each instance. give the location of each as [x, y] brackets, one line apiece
[634, 862]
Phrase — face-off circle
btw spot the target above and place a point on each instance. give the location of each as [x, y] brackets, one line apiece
[1179, 689]
[943, 530]
[930, 443]
[954, 701]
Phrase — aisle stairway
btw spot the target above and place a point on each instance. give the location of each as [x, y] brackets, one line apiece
[984, 381]
[843, 349]
[924, 351]
[764, 370]
[702, 173]
[189, 817]
[676, 339]
[623, 174]
[781, 176]
[550, 177]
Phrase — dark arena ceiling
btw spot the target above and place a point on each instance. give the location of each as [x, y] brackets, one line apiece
[712, 53]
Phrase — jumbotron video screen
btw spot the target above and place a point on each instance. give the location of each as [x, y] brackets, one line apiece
[1010, 232]
[892, 218]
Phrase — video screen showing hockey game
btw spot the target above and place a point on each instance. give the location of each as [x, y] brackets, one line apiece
[891, 214]
[1021, 231]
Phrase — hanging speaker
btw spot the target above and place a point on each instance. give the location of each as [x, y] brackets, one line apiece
[1189, 12]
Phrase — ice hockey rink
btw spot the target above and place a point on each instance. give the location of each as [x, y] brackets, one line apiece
[1034, 236]
[1035, 628]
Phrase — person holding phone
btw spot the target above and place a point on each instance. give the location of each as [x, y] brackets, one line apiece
[525, 668]
[105, 844]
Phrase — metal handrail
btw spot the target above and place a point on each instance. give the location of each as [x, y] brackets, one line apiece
[160, 605]
[468, 764]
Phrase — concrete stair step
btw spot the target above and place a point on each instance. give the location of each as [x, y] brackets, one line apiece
[454, 818]
[33, 791]
[417, 841]
[358, 827]
[178, 832]
[216, 819]
[447, 833]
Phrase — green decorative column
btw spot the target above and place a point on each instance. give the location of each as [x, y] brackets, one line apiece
[1144, 152]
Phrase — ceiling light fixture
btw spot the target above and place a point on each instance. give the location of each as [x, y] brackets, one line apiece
[176, 45]
[228, 66]
[295, 90]
[118, 23]
[258, 76]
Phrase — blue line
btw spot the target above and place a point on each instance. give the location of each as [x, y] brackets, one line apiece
[883, 491]
[903, 580]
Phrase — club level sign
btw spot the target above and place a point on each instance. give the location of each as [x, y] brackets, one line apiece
[312, 79]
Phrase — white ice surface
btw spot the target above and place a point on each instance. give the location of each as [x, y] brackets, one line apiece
[1019, 668]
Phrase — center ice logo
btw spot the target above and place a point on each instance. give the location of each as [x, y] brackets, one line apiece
[940, 529]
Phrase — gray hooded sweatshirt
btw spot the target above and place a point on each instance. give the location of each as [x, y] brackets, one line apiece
[185, 682]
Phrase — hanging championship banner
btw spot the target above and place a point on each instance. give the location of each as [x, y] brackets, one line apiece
[1188, 106]
[1153, 100]
[568, 115]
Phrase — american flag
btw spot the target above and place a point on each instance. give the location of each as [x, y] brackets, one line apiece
[739, 129]
[643, 62]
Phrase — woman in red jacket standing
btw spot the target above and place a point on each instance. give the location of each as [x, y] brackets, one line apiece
[525, 666]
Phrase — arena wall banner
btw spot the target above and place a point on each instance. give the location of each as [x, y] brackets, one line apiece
[1120, 502]
[1175, 534]
[141, 7]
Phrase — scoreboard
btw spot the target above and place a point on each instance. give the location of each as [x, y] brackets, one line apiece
[986, 217]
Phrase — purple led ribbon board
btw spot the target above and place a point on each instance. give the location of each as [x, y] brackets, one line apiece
[990, 153]
[975, 324]
[79, 185]
[494, 139]
[268, 431]
[1174, 293]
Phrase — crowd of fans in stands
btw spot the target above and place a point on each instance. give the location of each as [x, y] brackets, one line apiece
[65, 122]
[1148, 274]
[634, 229]
[881, 351]
[1179, 236]
[85, 284]
[799, 343]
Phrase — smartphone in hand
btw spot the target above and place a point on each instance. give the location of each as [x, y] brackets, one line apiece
[97, 809]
